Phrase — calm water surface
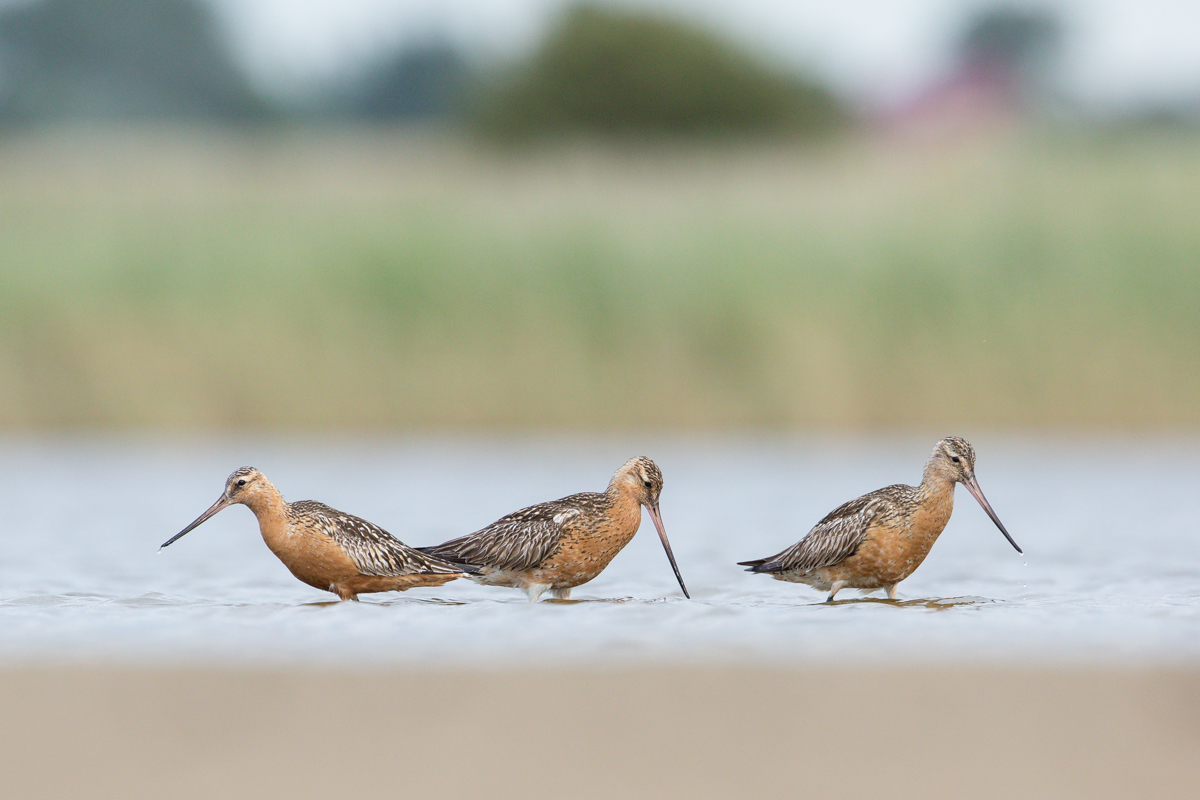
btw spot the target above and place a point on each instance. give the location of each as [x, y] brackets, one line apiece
[1111, 570]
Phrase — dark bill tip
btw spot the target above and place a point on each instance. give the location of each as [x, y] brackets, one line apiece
[221, 503]
[662, 535]
[973, 487]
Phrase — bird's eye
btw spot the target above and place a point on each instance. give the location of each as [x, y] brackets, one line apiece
[955, 459]
[242, 481]
[647, 484]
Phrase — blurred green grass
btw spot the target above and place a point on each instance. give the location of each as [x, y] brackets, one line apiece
[380, 279]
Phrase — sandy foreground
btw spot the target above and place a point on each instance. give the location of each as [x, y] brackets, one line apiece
[618, 732]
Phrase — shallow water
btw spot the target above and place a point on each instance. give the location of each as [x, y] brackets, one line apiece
[1111, 570]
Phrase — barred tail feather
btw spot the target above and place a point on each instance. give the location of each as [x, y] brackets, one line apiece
[759, 565]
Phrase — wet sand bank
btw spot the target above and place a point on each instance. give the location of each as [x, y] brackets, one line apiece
[643, 731]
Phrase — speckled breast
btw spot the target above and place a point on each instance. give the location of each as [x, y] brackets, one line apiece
[587, 547]
[892, 551]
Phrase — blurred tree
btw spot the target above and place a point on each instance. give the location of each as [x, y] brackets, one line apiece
[1019, 46]
[119, 58]
[425, 80]
[621, 72]
[1011, 37]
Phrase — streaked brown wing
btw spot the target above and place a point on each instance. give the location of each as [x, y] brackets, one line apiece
[832, 540]
[373, 550]
[518, 541]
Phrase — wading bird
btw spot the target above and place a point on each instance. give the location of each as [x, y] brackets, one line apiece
[325, 548]
[562, 544]
[879, 539]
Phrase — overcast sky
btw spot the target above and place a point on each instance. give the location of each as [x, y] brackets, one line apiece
[1119, 53]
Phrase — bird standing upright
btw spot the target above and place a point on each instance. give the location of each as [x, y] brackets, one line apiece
[879, 539]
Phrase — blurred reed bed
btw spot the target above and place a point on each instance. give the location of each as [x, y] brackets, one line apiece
[171, 278]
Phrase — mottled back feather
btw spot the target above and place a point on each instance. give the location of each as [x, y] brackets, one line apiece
[523, 539]
[839, 535]
[373, 550]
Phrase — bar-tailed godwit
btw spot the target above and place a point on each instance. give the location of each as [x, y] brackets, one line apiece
[879, 539]
[562, 544]
[325, 548]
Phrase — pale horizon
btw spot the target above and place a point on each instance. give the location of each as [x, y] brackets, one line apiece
[1118, 56]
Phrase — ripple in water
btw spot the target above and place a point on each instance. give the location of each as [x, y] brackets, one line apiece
[81, 575]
